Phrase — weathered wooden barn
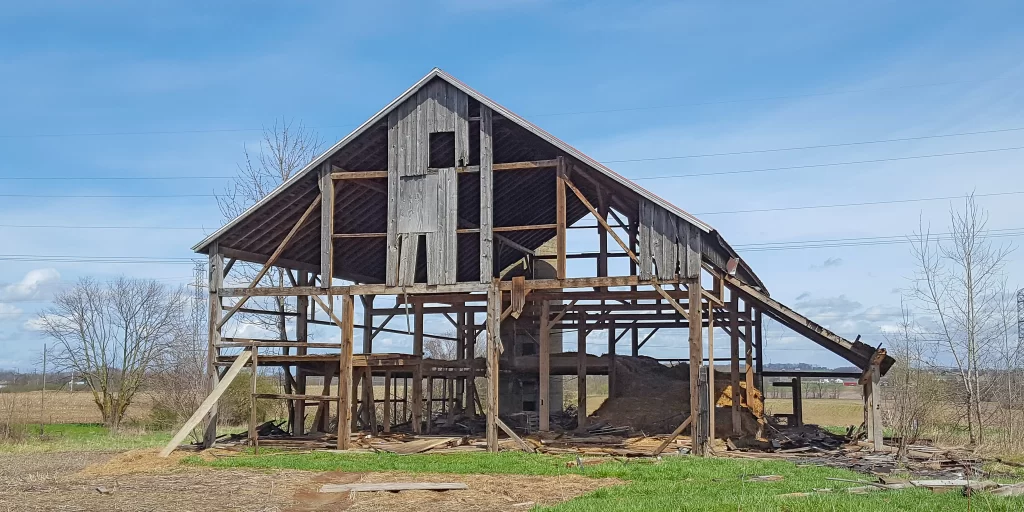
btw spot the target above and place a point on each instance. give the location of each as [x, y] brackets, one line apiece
[447, 204]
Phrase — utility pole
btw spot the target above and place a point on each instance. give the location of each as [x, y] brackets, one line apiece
[42, 396]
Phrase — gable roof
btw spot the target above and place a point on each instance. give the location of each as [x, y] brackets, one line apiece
[560, 145]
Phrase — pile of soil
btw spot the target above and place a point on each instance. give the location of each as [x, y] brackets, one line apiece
[655, 399]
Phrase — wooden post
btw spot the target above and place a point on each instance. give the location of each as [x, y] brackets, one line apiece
[699, 445]
[417, 381]
[357, 378]
[367, 301]
[493, 339]
[298, 421]
[430, 405]
[544, 366]
[581, 371]
[734, 357]
[460, 354]
[253, 435]
[748, 340]
[712, 394]
[387, 401]
[759, 349]
[876, 434]
[798, 401]
[486, 196]
[560, 218]
[612, 378]
[326, 226]
[345, 372]
[214, 282]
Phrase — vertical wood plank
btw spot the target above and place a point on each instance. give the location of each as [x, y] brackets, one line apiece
[417, 381]
[345, 371]
[392, 256]
[748, 340]
[560, 218]
[758, 350]
[493, 339]
[215, 281]
[253, 435]
[712, 394]
[734, 357]
[302, 335]
[486, 195]
[693, 253]
[798, 401]
[876, 434]
[544, 366]
[387, 401]
[326, 226]
[460, 116]
[699, 446]
[367, 301]
[581, 371]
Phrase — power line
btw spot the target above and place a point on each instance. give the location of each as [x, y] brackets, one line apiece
[832, 164]
[650, 159]
[865, 203]
[550, 114]
[638, 178]
[68, 226]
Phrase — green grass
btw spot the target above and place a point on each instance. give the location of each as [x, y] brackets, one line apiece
[675, 483]
[78, 437]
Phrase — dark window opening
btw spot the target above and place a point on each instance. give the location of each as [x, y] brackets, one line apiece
[529, 349]
[442, 150]
[529, 406]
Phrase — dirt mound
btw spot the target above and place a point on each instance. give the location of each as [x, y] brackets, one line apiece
[137, 461]
[655, 398]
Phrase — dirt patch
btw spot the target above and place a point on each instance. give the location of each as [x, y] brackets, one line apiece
[655, 399]
[142, 483]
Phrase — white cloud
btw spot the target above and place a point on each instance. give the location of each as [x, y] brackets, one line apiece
[36, 324]
[37, 284]
[9, 310]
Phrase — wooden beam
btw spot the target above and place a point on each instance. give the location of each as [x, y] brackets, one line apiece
[734, 358]
[298, 420]
[699, 446]
[560, 218]
[208, 403]
[215, 281]
[417, 382]
[345, 372]
[581, 375]
[486, 197]
[522, 444]
[675, 433]
[544, 367]
[387, 401]
[712, 394]
[271, 261]
[493, 339]
[326, 226]
[748, 345]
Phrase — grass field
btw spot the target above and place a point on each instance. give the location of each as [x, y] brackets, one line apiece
[839, 412]
[674, 483]
[64, 407]
[84, 437]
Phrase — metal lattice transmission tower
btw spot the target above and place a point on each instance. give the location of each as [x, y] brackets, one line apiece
[199, 298]
[1020, 315]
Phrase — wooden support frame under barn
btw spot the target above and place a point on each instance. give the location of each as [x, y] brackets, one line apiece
[460, 211]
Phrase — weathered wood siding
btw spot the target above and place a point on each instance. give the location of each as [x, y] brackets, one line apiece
[668, 244]
[423, 202]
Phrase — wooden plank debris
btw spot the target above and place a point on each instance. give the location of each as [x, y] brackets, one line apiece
[394, 487]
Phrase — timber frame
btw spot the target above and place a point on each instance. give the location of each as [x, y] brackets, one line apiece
[387, 212]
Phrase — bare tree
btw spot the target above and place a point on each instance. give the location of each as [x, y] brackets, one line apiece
[957, 284]
[111, 334]
[912, 392]
[445, 349]
[284, 149]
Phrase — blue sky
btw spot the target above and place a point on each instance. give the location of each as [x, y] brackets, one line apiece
[166, 89]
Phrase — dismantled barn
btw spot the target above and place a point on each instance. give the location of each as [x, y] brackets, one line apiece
[445, 204]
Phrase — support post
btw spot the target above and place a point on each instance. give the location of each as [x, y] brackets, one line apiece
[699, 444]
[493, 353]
[386, 420]
[486, 196]
[253, 435]
[367, 301]
[345, 372]
[581, 371]
[544, 365]
[712, 394]
[214, 282]
[759, 349]
[875, 434]
[326, 226]
[560, 218]
[298, 422]
[748, 340]
[417, 381]
[734, 357]
[798, 401]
